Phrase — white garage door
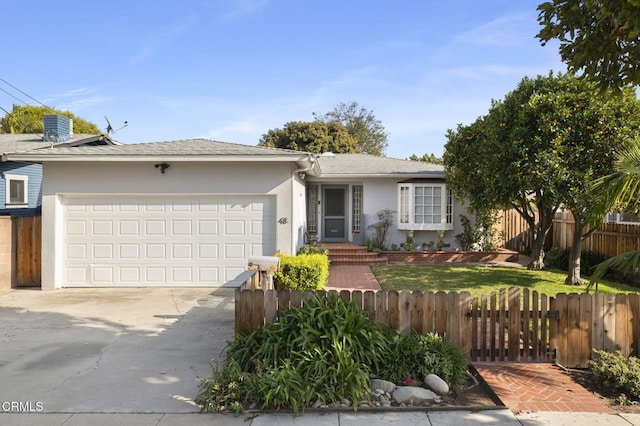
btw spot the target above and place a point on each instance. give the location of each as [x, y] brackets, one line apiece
[164, 241]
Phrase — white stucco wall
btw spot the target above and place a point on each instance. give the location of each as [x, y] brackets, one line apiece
[380, 194]
[113, 178]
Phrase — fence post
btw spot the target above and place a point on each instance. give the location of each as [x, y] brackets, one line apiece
[514, 324]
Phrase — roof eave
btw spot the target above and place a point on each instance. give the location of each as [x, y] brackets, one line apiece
[41, 158]
[382, 175]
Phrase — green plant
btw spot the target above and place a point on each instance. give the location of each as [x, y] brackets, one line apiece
[616, 372]
[481, 236]
[381, 228]
[313, 249]
[394, 247]
[302, 272]
[415, 356]
[224, 390]
[559, 259]
[622, 399]
[331, 345]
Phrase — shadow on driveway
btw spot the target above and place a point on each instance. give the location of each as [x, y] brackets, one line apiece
[113, 350]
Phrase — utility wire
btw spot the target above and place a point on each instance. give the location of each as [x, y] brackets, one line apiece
[26, 94]
[13, 96]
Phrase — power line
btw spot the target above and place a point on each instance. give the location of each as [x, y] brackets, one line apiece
[26, 94]
[13, 96]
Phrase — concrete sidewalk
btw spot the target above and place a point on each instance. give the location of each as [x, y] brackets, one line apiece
[408, 418]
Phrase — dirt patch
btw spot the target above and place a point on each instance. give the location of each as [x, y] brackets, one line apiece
[586, 380]
[476, 393]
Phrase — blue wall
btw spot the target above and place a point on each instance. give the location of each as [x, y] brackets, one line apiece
[34, 172]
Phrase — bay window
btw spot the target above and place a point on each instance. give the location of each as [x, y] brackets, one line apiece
[424, 206]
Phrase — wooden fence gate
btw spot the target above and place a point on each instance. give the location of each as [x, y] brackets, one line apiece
[508, 325]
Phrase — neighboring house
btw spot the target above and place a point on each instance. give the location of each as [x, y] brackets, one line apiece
[21, 183]
[193, 212]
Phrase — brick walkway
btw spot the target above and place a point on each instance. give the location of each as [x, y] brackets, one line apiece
[537, 387]
[351, 277]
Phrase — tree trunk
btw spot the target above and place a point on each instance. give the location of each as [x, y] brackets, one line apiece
[538, 236]
[573, 278]
[537, 251]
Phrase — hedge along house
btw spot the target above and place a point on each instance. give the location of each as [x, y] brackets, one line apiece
[343, 200]
[191, 213]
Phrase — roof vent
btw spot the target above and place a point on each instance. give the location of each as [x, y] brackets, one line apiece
[57, 128]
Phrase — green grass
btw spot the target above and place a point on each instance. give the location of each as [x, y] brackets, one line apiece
[479, 280]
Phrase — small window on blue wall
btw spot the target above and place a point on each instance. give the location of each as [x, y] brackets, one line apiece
[16, 191]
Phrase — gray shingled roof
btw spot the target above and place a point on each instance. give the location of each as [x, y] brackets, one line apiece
[27, 142]
[364, 164]
[183, 147]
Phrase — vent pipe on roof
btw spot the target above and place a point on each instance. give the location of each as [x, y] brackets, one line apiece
[57, 128]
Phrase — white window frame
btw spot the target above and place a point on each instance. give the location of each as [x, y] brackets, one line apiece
[619, 218]
[356, 213]
[7, 201]
[406, 208]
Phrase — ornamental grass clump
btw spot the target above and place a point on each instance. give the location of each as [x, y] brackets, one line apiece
[323, 351]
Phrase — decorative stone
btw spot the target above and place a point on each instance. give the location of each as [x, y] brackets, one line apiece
[383, 385]
[413, 395]
[318, 404]
[346, 402]
[436, 384]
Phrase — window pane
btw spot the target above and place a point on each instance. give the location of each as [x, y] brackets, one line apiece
[16, 191]
[427, 191]
[418, 190]
[419, 200]
[418, 219]
[437, 218]
[436, 191]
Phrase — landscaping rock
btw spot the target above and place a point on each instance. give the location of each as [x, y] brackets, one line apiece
[436, 384]
[383, 385]
[413, 395]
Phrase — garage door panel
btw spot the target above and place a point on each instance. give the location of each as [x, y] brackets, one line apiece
[133, 241]
[208, 228]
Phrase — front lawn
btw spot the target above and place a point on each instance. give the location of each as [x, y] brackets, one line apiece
[479, 280]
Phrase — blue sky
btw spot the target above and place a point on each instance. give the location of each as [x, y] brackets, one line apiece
[230, 70]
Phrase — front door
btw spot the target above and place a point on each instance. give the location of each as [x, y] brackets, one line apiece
[334, 214]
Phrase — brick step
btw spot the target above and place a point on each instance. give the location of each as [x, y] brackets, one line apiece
[346, 252]
[370, 261]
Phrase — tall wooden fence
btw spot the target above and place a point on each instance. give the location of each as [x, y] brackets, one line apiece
[20, 251]
[515, 231]
[509, 325]
[610, 239]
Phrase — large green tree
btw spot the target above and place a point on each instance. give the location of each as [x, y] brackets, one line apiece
[361, 124]
[599, 38]
[29, 119]
[315, 136]
[539, 149]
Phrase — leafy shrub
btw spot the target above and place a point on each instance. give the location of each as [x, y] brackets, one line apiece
[559, 259]
[313, 249]
[302, 272]
[381, 228]
[417, 356]
[324, 350]
[616, 373]
[482, 236]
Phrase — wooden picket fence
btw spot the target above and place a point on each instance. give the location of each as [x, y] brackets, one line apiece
[508, 325]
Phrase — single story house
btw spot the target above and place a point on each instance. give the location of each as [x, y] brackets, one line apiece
[192, 212]
[21, 182]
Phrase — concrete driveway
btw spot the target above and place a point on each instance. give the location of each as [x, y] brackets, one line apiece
[141, 350]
